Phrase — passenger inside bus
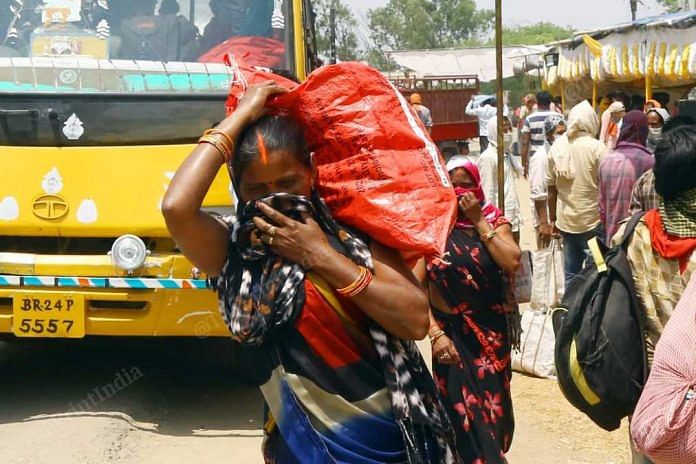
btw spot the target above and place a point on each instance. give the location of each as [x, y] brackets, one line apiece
[167, 37]
[150, 30]
[233, 18]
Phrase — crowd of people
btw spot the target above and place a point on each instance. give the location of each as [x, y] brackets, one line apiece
[594, 172]
[341, 384]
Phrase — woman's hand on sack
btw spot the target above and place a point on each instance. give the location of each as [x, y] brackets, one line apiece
[445, 352]
[471, 207]
[301, 242]
[252, 106]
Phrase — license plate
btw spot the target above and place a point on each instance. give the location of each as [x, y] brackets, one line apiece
[48, 315]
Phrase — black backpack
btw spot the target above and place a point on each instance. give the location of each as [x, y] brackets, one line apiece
[601, 358]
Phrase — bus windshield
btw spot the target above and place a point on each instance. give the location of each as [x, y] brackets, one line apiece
[138, 45]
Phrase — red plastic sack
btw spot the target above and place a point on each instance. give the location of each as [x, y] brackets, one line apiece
[377, 169]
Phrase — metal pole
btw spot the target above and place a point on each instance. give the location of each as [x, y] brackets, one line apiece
[332, 26]
[499, 96]
[192, 12]
[634, 9]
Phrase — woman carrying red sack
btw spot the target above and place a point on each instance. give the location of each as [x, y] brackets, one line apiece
[326, 310]
[473, 320]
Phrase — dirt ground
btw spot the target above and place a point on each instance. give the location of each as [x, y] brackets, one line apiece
[169, 408]
[551, 431]
[160, 401]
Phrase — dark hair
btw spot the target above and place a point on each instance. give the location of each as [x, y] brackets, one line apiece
[169, 7]
[637, 103]
[145, 7]
[674, 123]
[675, 162]
[623, 97]
[278, 133]
[286, 74]
[544, 98]
[662, 98]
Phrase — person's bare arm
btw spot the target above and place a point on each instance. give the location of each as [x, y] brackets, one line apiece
[545, 229]
[502, 247]
[199, 236]
[394, 299]
[443, 349]
[526, 141]
[553, 201]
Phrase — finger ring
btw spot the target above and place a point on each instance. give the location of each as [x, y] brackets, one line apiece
[272, 231]
[270, 241]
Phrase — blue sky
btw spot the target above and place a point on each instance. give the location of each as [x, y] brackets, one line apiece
[581, 14]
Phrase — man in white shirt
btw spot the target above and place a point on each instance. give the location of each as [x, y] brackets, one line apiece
[554, 126]
[488, 167]
[485, 112]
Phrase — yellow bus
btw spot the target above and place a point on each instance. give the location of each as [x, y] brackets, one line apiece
[100, 103]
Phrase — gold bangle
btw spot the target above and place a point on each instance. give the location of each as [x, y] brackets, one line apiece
[220, 144]
[488, 235]
[227, 137]
[437, 336]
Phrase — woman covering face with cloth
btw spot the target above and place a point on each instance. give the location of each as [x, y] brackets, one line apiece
[473, 320]
[327, 309]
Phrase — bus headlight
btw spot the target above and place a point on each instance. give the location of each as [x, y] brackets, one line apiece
[128, 252]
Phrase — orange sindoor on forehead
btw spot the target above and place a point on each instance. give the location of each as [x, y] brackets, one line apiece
[263, 153]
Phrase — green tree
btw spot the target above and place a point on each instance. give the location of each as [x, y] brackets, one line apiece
[417, 24]
[346, 26]
[672, 5]
[535, 34]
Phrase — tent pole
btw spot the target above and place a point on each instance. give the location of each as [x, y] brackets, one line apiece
[499, 96]
[594, 94]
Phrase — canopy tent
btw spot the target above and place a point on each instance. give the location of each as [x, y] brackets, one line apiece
[654, 52]
[459, 61]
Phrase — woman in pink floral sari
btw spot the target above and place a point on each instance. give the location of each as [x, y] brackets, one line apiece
[472, 314]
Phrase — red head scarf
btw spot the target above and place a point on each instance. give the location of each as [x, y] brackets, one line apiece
[490, 212]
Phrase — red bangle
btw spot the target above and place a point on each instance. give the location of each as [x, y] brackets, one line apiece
[363, 281]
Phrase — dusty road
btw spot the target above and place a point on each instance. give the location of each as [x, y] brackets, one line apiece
[152, 402]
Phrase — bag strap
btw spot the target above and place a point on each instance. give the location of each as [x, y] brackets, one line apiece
[635, 302]
[631, 227]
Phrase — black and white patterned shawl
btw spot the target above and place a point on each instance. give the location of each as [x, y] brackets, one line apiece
[255, 317]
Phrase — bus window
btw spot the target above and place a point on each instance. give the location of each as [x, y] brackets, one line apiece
[258, 31]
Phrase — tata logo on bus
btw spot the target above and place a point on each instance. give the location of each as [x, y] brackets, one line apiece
[50, 207]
